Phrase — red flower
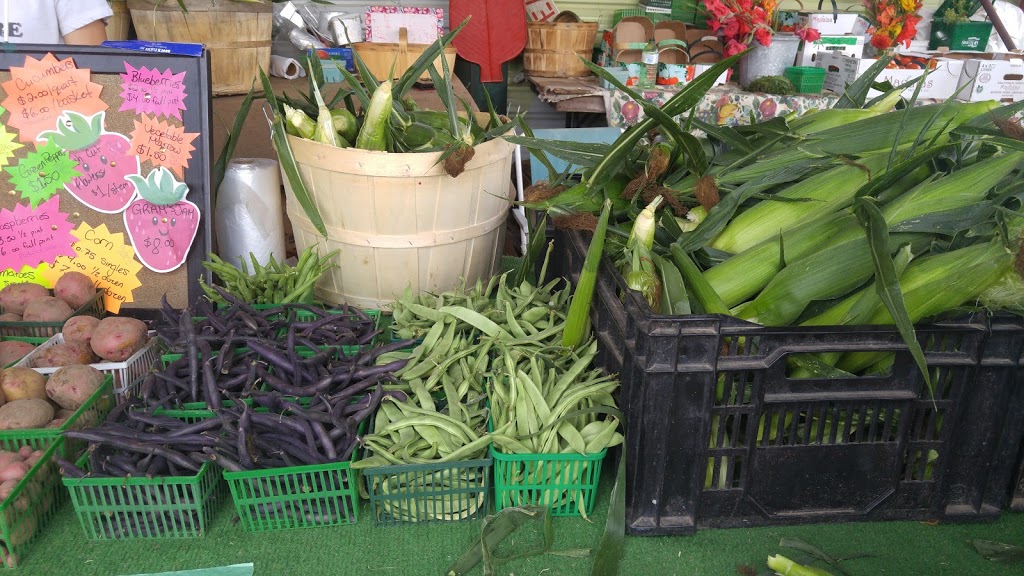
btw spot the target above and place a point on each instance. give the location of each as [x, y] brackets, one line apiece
[881, 41]
[808, 34]
[733, 48]
[763, 35]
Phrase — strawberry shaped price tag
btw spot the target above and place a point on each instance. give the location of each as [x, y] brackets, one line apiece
[44, 171]
[103, 160]
[161, 224]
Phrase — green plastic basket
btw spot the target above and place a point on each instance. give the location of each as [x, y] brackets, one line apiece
[966, 36]
[169, 507]
[26, 339]
[429, 493]
[93, 307]
[91, 413]
[32, 503]
[296, 497]
[566, 483]
[806, 79]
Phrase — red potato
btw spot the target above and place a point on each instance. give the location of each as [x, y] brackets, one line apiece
[8, 458]
[78, 329]
[56, 422]
[74, 288]
[6, 487]
[70, 386]
[19, 382]
[63, 354]
[116, 338]
[15, 471]
[47, 309]
[13, 350]
[14, 297]
[25, 451]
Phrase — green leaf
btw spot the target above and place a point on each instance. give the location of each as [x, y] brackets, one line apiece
[410, 76]
[538, 237]
[887, 282]
[288, 164]
[228, 152]
[857, 92]
[999, 552]
[683, 101]
[583, 154]
[613, 541]
[495, 530]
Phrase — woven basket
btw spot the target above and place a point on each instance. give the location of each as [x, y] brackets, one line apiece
[120, 22]
[380, 56]
[552, 48]
[237, 35]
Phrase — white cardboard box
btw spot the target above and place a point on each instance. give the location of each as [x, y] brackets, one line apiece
[992, 80]
[841, 70]
[822, 22]
[834, 43]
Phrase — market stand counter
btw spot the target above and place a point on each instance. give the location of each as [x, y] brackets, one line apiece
[254, 140]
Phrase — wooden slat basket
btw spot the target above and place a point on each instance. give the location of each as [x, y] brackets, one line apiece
[237, 35]
[552, 48]
[379, 56]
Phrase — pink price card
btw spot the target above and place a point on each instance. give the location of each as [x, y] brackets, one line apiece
[424, 25]
[29, 236]
[152, 92]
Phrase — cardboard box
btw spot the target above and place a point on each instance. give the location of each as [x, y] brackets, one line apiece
[822, 22]
[680, 75]
[985, 79]
[835, 43]
[942, 83]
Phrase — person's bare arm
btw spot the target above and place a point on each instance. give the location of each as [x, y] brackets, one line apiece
[93, 33]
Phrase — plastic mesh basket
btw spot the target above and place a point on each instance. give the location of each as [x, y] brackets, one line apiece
[129, 508]
[90, 413]
[295, 497]
[93, 307]
[567, 483]
[125, 374]
[429, 493]
[32, 503]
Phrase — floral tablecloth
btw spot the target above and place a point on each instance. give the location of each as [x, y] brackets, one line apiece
[726, 105]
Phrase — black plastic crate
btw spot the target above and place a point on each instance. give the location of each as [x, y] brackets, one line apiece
[767, 449]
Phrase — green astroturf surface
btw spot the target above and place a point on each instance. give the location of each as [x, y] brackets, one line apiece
[899, 548]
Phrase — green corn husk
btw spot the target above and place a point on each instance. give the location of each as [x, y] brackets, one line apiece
[297, 123]
[939, 283]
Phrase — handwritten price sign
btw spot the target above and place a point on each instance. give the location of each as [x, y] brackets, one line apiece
[42, 173]
[41, 90]
[30, 236]
[37, 275]
[7, 144]
[107, 259]
[163, 144]
[152, 92]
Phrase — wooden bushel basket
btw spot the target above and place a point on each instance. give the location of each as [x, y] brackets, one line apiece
[379, 56]
[237, 35]
[120, 22]
[552, 48]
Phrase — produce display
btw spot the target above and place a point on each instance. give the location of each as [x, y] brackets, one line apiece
[31, 400]
[28, 302]
[14, 350]
[275, 283]
[28, 480]
[855, 215]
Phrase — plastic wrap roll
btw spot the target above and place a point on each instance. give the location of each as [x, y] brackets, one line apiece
[286, 67]
[250, 214]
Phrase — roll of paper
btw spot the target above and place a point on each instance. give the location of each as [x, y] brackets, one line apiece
[288, 68]
[250, 212]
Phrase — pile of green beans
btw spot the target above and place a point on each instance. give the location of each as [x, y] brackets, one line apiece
[275, 283]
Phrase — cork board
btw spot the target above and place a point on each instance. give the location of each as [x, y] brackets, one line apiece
[62, 209]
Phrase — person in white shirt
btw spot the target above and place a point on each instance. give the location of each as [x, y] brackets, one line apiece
[54, 21]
